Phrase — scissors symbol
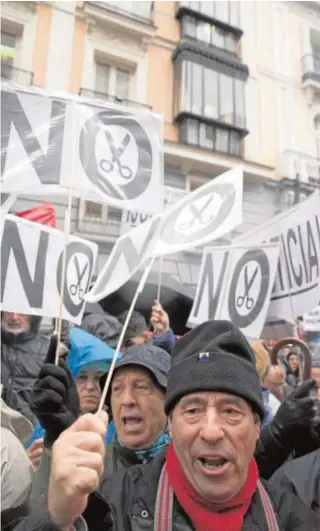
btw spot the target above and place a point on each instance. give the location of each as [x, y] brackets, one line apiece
[245, 299]
[107, 165]
[76, 288]
[198, 214]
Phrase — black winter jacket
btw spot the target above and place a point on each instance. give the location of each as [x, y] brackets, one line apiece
[22, 357]
[302, 477]
[129, 505]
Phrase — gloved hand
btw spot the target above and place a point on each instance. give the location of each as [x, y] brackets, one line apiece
[54, 398]
[297, 411]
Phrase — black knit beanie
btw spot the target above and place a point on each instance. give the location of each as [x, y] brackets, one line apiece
[214, 356]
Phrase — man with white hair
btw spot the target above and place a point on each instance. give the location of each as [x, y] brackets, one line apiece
[23, 351]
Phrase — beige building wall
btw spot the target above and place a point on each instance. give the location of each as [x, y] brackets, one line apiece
[279, 114]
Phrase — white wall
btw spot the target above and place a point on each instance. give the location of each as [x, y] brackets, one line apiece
[60, 48]
[276, 36]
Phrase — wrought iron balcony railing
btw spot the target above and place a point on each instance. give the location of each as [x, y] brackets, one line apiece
[87, 93]
[23, 77]
[311, 67]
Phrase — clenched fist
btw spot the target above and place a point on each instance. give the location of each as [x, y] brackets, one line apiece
[77, 466]
[159, 319]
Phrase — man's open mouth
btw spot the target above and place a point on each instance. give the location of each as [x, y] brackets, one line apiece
[212, 463]
[131, 421]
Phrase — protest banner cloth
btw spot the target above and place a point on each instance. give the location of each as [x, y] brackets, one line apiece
[7, 201]
[44, 214]
[311, 321]
[235, 284]
[116, 153]
[133, 218]
[201, 217]
[297, 285]
[31, 269]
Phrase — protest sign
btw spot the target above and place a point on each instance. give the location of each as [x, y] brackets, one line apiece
[311, 321]
[235, 284]
[201, 217]
[297, 285]
[31, 266]
[132, 218]
[115, 152]
[7, 201]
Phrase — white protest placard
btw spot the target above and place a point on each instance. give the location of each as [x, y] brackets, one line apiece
[208, 213]
[104, 152]
[235, 284]
[297, 285]
[132, 218]
[311, 321]
[31, 267]
[199, 218]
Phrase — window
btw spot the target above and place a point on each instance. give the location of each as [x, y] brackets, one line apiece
[101, 213]
[102, 78]
[8, 44]
[208, 33]
[210, 104]
[227, 12]
[122, 84]
[197, 133]
[93, 210]
[206, 92]
[226, 99]
[141, 9]
[113, 81]
[222, 11]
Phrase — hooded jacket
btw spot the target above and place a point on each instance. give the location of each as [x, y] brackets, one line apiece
[85, 351]
[16, 469]
[22, 357]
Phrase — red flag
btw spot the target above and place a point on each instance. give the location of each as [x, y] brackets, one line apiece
[44, 214]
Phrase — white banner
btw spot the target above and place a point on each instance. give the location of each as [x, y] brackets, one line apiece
[311, 321]
[6, 203]
[235, 284]
[197, 219]
[31, 266]
[297, 285]
[103, 152]
[133, 218]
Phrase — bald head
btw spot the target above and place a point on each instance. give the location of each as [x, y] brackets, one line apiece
[274, 379]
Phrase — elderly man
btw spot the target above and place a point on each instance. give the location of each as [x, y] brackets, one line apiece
[23, 351]
[274, 379]
[208, 479]
[136, 401]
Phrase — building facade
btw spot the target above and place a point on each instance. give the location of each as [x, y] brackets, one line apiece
[236, 83]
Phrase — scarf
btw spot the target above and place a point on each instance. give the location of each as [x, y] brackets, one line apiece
[203, 518]
[147, 454]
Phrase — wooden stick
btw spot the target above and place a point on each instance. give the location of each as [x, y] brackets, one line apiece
[160, 278]
[67, 229]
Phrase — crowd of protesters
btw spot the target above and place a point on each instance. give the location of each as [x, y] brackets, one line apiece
[198, 433]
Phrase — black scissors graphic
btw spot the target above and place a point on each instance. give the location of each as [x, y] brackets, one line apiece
[245, 299]
[108, 166]
[198, 215]
[76, 288]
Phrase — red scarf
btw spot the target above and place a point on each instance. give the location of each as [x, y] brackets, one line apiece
[201, 516]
